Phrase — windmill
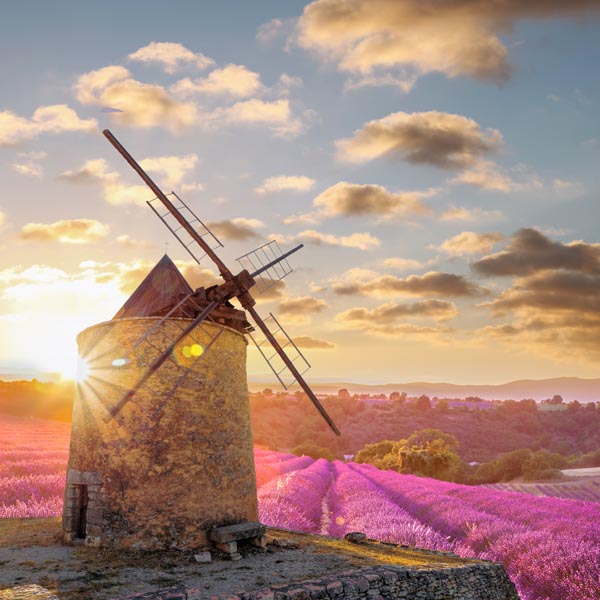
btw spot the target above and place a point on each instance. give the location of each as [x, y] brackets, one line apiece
[233, 286]
[161, 452]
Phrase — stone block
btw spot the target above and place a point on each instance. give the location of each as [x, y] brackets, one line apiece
[203, 557]
[259, 541]
[227, 547]
[356, 537]
[234, 533]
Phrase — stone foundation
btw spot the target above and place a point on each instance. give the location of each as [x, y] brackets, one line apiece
[481, 581]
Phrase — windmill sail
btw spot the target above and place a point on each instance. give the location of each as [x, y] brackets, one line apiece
[259, 258]
[268, 260]
[177, 229]
[272, 357]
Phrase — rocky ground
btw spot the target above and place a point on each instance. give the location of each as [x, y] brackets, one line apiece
[35, 565]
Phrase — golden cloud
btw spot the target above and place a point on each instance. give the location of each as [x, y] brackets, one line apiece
[275, 114]
[553, 312]
[128, 241]
[529, 251]
[171, 169]
[469, 242]
[232, 80]
[139, 104]
[71, 231]
[460, 213]
[30, 169]
[171, 56]
[309, 342]
[294, 307]
[115, 192]
[284, 183]
[362, 241]
[239, 229]
[350, 199]
[440, 139]
[388, 314]
[57, 118]
[433, 283]
[410, 38]
[406, 264]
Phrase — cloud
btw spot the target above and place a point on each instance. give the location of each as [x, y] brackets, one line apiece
[553, 312]
[232, 80]
[2, 218]
[406, 264]
[141, 104]
[284, 183]
[172, 169]
[529, 251]
[96, 171]
[275, 114]
[171, 56]
[33, 155]
[71, 231]
[129, 242]
[411, 38]
[309, 342]
[57, 118]
[349, 199]
[267, 32]
[403, 82]
[389, 314]
[489, 176]
[30, 169]
[485, 175]
[298, 307]
[460, 213]
[240, 229]
[440, 139]
[469, 242]
[273, 290]
[433, 283]
[362, 241]
[303, 218]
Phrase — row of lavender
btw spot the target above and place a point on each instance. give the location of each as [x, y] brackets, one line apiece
[33, 458]
[585, 488]
[549, 546]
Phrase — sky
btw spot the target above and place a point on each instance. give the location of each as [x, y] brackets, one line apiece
[438, 159]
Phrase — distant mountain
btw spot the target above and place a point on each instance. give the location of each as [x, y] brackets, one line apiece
[570, 388]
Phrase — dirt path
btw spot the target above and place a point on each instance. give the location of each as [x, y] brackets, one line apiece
[30, 556]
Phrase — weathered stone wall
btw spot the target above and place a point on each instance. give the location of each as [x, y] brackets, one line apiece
[161, 481]
[480, 581]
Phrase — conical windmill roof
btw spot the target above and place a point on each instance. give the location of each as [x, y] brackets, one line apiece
[161, 287]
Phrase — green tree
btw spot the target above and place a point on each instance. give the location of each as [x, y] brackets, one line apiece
[314, 451]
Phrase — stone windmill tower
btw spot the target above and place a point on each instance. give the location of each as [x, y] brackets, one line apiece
[161, 447]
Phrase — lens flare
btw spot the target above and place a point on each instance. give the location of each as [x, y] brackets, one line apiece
[83, 370]
[119, 362]
[194, 351]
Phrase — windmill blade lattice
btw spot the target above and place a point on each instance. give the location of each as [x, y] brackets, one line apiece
[177, 229]
[273, 359]
[260, 257]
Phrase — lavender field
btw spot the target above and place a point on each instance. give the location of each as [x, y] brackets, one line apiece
[549, 546]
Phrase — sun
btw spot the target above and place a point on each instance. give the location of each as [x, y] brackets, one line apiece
[83, 370]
